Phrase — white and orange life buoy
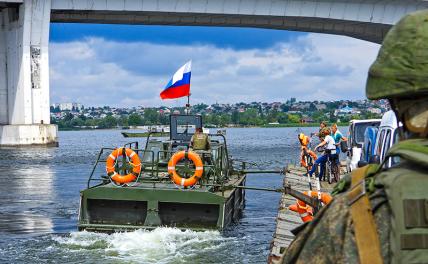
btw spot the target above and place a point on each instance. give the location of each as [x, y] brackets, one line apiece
[197, 161]
[305, 211]
[303, 160]
[111, 162]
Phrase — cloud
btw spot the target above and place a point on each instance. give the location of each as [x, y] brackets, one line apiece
[97, 71]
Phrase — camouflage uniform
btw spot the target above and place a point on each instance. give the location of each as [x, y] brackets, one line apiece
[329, 238]
[200, 141]
[400, 70]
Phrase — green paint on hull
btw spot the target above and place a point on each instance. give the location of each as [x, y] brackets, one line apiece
[110, 208]
[145, 134]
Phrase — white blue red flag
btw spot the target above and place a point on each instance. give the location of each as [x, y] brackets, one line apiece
[179, 85]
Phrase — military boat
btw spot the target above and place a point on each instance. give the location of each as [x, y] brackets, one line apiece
[144, 134]
[164, 184]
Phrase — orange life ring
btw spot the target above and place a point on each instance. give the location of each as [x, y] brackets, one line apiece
[303, 162]
[199, 168]
[305, 211]
[111, 162]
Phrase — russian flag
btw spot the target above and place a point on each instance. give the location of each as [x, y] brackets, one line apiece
[179, 85]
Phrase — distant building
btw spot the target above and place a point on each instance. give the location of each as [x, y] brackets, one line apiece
[306, 120]
[301, 106]
[276, 105]
[346, 111]
[320, 106]
[68, 106]
[374, 110]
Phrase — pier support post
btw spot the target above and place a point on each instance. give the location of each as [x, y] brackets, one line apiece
[152, 218]
[24, 75]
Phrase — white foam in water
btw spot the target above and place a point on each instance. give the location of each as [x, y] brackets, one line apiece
[162, 245]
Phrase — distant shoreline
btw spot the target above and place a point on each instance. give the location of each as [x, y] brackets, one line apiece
[262, 126]
[302, 125]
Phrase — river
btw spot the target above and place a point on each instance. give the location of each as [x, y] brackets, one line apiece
[39, 199]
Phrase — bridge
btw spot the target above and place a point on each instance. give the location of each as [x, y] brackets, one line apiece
[24, 39]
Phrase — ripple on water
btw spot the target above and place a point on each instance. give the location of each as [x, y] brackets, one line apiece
[39, 199]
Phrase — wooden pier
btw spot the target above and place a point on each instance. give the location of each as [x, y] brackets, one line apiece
[286, 219]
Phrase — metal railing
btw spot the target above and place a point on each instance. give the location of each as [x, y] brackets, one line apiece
[219, 169]
[100, 160]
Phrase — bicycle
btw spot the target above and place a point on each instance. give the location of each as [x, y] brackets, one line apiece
[332, 172]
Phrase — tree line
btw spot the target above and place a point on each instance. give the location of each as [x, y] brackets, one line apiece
[151, 116]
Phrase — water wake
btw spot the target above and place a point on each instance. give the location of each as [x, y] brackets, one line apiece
[162, 245]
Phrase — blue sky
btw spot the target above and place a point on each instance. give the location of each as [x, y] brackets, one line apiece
[129, 65]
[236, 38]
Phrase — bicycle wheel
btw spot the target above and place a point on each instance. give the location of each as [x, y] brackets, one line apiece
[328, 172]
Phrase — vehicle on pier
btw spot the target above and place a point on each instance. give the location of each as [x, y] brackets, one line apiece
[354, 145]
[164, 184]
[387, 136]
[368, 151]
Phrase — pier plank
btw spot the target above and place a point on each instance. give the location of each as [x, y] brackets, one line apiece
[287, 220]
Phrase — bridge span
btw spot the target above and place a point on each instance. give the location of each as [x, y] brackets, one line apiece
[24, 39]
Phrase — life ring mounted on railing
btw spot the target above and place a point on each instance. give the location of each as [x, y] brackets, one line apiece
[197, 161]
[133, 164]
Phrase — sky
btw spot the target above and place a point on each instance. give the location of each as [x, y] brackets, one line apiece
[129, 65]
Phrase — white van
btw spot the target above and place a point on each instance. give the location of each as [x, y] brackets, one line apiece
[356, 140]
[387, 136]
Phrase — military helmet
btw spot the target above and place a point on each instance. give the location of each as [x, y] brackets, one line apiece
[401, 68]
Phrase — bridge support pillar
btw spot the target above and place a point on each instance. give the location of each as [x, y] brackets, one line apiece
[24, 75]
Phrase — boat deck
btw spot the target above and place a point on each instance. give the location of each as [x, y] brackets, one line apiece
[168, 185]
[287, 220]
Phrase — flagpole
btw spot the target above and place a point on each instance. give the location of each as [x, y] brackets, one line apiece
[188, 104]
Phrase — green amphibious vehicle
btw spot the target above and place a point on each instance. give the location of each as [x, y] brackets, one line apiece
[131, 188]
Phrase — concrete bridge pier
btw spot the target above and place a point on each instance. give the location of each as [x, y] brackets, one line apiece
[24, 74]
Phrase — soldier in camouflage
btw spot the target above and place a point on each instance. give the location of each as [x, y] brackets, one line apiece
[378, 214]
[200, 141]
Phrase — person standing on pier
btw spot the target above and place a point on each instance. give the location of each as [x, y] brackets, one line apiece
[338, 137]
[330, 147]
[378, 214]
[321, 135]
[321, 131]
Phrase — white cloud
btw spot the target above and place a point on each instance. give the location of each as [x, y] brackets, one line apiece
[96, 71]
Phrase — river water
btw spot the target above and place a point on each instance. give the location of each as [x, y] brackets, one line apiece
[39, 199]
